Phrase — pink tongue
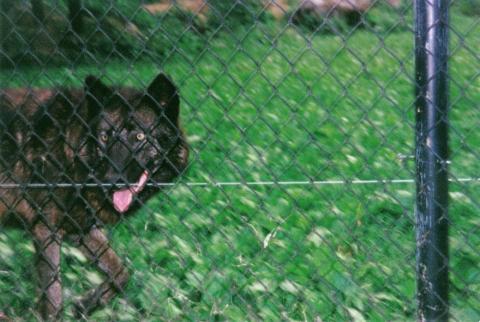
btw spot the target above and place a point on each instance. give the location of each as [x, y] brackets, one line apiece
[122, 199]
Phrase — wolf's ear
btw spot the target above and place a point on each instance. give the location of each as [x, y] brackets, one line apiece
[96, 91]
[164, 94]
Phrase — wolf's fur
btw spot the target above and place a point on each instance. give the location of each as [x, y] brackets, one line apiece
[98, 134]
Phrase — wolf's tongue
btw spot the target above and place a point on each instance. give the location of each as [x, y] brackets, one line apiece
[122, 199]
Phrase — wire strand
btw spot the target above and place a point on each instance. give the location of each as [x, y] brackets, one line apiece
[224, 183]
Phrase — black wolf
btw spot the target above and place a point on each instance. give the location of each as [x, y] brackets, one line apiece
[72, 160]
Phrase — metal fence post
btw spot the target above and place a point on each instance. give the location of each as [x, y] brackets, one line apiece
[431, 50]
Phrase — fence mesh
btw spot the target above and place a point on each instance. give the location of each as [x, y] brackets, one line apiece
[297, 201]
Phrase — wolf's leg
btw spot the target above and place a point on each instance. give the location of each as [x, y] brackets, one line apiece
[96, 247]
[47, 245]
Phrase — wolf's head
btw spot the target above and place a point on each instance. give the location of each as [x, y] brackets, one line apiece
[136, 135]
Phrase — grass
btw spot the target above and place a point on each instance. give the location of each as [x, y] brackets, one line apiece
[278, 104]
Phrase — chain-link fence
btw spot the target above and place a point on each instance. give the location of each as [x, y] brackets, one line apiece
[225, 160]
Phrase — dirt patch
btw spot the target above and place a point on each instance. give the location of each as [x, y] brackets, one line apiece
[194, 6]
[323, 6]
[277, 8]
[156, 8]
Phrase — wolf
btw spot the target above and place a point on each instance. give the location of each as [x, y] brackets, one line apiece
[73, 160]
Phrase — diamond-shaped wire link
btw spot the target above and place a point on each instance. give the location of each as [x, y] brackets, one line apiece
[297, 199]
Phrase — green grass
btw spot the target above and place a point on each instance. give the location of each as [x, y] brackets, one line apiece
[278, 106]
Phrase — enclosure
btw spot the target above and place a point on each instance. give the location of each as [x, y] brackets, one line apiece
[298, 200]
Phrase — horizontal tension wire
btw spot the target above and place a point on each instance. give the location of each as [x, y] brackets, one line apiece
[225, 183]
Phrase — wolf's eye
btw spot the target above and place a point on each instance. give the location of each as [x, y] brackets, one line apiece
[104, 137]
[140, 136]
